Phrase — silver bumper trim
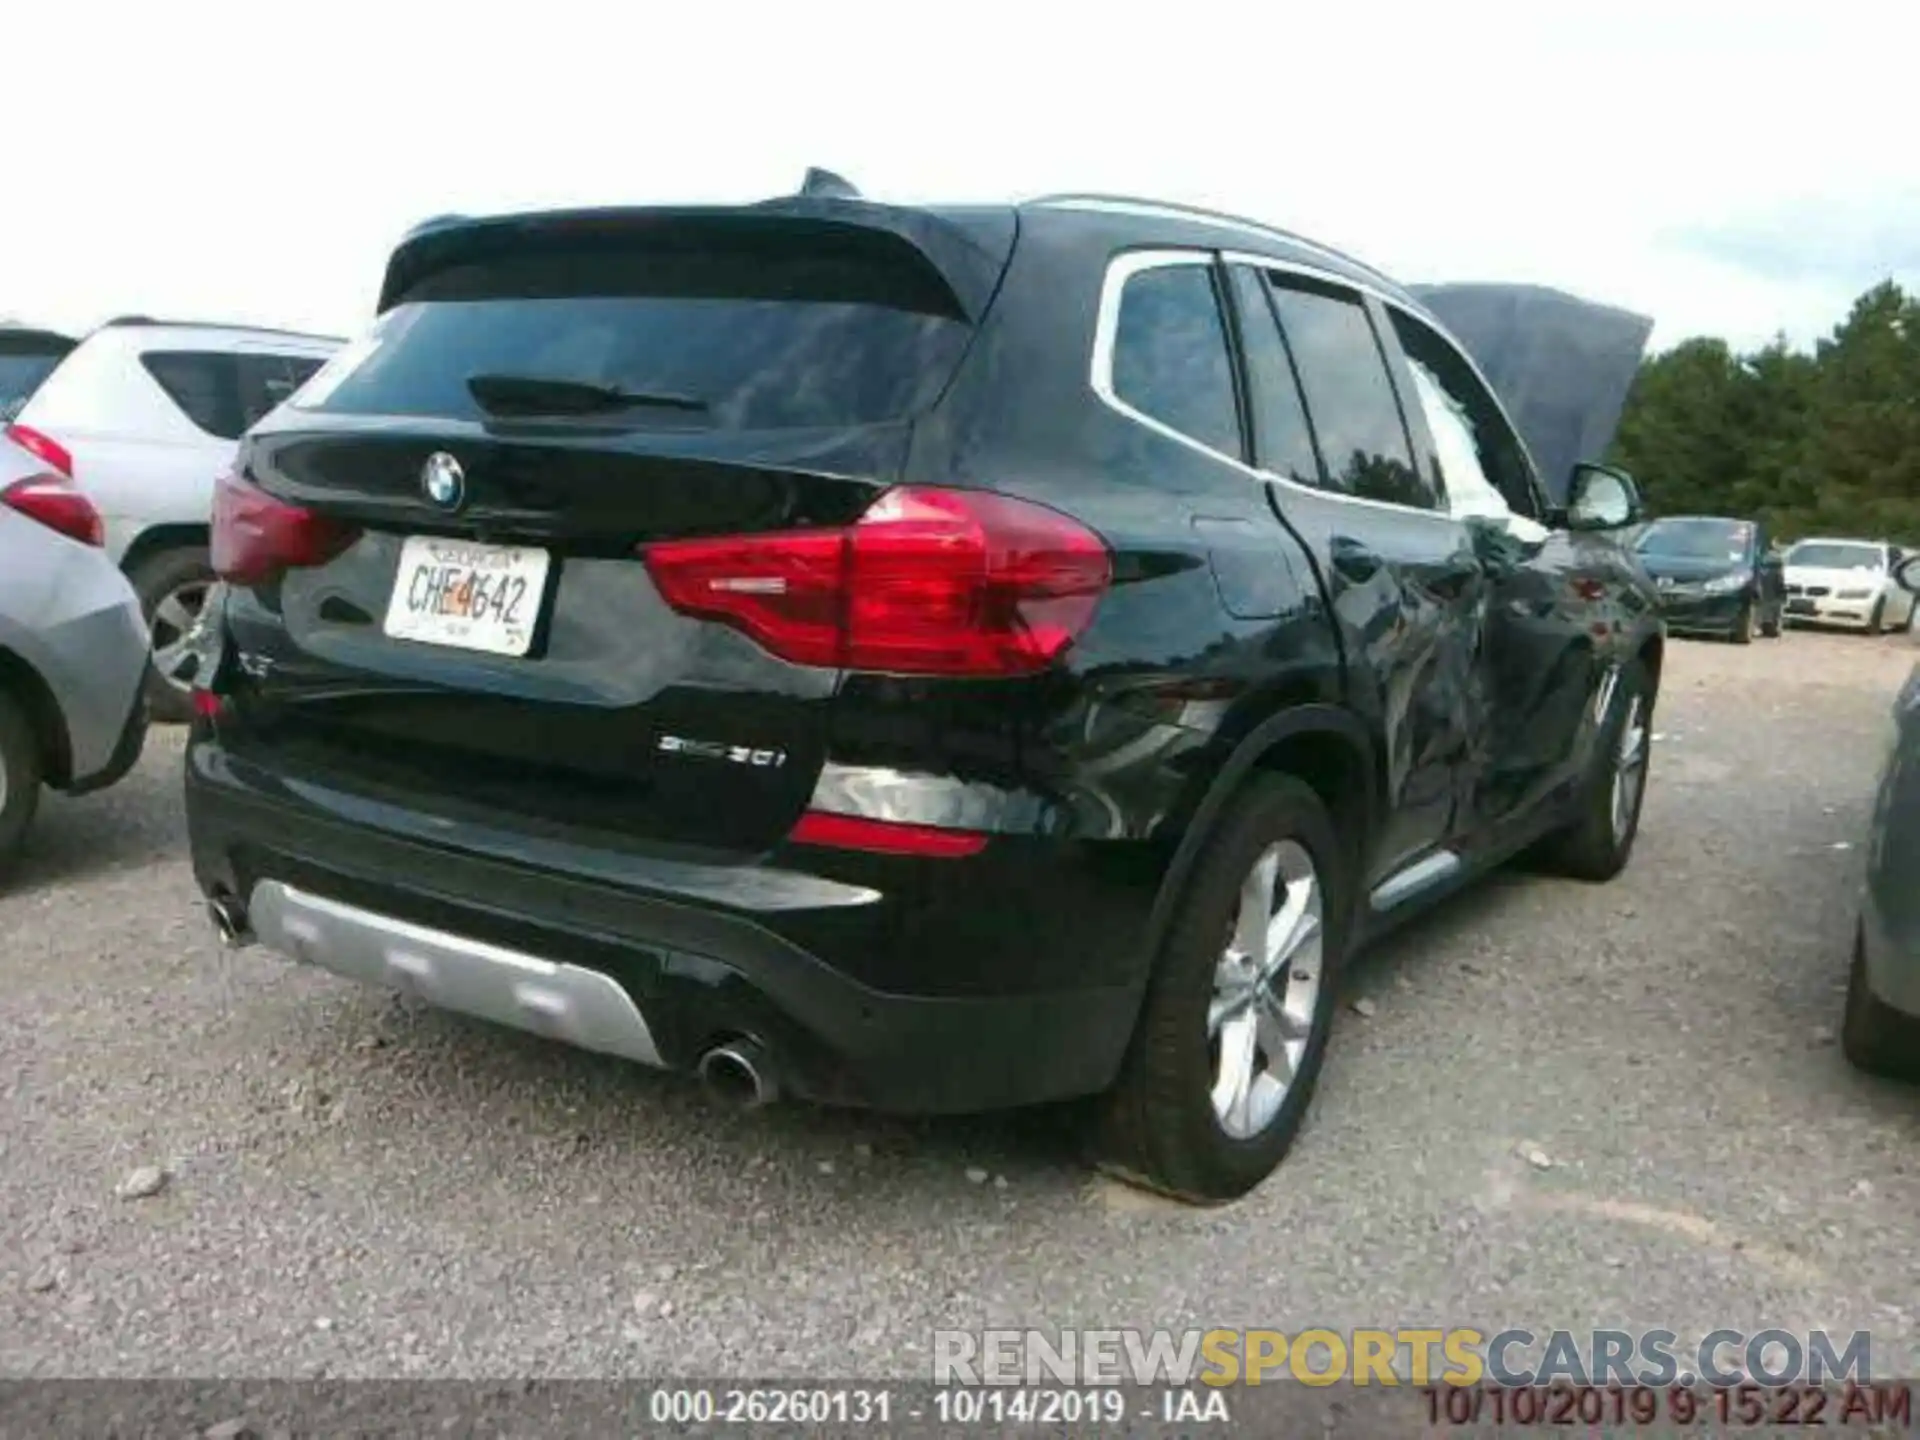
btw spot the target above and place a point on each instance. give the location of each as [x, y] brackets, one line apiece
[563, 1002]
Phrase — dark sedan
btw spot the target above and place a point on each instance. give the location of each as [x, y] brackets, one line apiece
[1716, 576]
[1881, 1033]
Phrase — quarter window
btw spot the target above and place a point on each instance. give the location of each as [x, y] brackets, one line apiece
[1170, 357]
[1282, 436]
[1343, 371]
[223, 392]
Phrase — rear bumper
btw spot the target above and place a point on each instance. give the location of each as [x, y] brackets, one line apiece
[126, 751]
[661, 961]
[1892, 958]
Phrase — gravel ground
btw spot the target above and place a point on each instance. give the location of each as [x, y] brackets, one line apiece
[355, 1186]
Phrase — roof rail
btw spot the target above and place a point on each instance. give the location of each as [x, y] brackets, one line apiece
[1215, 217]
[127, 322]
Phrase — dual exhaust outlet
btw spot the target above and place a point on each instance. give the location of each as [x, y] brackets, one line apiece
[738, 1072]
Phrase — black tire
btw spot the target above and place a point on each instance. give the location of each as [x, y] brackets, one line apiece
[154, 579]
[1748, 623]
[1877, 621]
[1592, 847]
[19, 778]
[1160, 1129]
[1874, 1036]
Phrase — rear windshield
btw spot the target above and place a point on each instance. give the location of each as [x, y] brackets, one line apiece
[750, 342]
[1828, 555]
[1701, 539]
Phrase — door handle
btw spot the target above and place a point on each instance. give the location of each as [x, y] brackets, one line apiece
[1456, 578]
[1354, 561]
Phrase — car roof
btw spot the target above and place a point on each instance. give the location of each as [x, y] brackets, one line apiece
[213, 334]
[1141, 221]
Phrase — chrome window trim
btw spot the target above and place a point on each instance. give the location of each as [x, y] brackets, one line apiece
[1127, 264]
[1427, 322]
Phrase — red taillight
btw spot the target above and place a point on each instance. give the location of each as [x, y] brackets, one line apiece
[48, 450]
[926, 582]
[255, 536]
[207, 705]
[52, 500]
[885, 837]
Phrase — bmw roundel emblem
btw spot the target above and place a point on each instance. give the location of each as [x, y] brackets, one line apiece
[443, 480]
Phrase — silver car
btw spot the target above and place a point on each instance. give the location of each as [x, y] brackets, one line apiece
[1881, 1032]
[73, 647]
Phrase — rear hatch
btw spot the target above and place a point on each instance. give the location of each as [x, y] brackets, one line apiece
[437, 545]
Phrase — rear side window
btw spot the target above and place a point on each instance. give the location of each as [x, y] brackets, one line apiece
[222, 392]
[676, 338]
[1349, 393]
[1170, 357]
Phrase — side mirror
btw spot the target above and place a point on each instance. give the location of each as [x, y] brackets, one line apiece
[1907, 572]
[1601, 498]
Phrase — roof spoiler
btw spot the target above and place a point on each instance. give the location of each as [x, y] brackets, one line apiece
[1562, 366]
[839, 224]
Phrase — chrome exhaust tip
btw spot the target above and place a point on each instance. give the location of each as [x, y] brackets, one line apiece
[739, 1073]
[229, 921]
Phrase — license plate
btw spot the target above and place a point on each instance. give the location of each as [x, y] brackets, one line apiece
[466, 595]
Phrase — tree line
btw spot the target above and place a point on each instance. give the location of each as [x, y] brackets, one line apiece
[1825, 442]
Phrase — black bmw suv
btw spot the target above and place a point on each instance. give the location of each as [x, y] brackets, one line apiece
[928, 659]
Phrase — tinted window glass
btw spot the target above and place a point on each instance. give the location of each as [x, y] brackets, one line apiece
[766, 341]
[1482, 468]
[21, 372]
[1282, 438]
[1704, 539]
[1349, 394]
[1170, 358]
[222, 392]
[1836, 555]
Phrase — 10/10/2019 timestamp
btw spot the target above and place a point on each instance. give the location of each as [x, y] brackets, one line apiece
[1852, 1403]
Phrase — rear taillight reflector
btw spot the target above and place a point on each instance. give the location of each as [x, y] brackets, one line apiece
[53, 501]
[926, 582]
[256, 537]
[48, 450]
[207, 705]
[885, 837]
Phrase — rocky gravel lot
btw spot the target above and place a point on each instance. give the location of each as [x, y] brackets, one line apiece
[1562, 1105]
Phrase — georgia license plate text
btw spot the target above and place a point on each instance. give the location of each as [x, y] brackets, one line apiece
[473, 597]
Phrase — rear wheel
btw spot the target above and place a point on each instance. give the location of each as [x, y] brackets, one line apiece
[1240, 1005]
[1876, 1037]
[173, 587]
[19, 777]
[1596, 846]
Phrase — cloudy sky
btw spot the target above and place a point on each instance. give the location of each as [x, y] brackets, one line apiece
[1726, 168]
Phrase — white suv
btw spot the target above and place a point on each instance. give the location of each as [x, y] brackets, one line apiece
[143, 416]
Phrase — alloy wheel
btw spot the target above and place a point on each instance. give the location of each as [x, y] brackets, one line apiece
[1629, 768]
[1266, 988]
[172, 627]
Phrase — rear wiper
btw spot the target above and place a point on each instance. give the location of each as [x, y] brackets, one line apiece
[539, 395]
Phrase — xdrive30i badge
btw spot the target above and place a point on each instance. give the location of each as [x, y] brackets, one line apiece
[715, 750]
